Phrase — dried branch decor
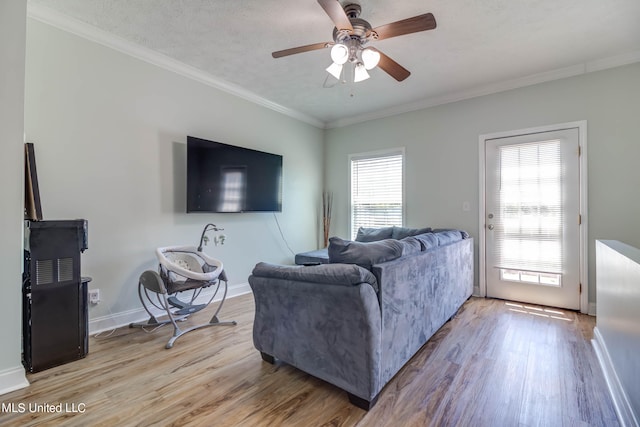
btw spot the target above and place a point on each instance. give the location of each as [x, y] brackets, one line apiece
[327, 206]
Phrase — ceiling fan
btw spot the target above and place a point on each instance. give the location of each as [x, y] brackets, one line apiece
[351, 36]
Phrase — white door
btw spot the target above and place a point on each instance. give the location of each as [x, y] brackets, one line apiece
[532, 218]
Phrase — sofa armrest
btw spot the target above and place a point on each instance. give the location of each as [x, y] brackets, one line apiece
[328, 330]
[329, 274]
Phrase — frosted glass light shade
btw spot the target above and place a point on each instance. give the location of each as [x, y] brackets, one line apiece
[370, 58]
[335, 70]
[339, 53]
[360, 73]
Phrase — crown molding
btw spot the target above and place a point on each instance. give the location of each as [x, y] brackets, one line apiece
[560, 73]
[612, 61]
[89, 32]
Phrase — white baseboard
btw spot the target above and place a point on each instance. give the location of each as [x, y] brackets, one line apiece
[124, 318]
[618, 395]
[13, 379]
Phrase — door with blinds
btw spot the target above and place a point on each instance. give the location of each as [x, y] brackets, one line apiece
[532, 218]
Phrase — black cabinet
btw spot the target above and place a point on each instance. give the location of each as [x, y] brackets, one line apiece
[54, 303]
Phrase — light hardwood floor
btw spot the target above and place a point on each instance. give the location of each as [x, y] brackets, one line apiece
[494, 364]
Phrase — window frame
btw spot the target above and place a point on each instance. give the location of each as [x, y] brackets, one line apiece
[369, 155]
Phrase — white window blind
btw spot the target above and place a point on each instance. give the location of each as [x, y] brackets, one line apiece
[530, 216]
[376, 190]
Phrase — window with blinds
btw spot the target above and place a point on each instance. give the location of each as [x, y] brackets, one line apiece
[529, 239]
[377, 190]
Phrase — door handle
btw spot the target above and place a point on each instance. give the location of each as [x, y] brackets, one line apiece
[490, 226]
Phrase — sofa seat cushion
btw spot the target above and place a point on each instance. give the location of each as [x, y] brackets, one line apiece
[319, 256]
[367, 254]
[331, 274]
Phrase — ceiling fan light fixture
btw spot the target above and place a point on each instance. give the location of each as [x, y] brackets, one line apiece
[335, 70]
[360, 73]
[370, 58]
[339, 53]
[351, 34]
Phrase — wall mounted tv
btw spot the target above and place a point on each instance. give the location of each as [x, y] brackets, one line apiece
[227, 178]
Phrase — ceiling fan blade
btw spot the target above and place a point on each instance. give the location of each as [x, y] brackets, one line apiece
[337, 14]
[300, 49]
[406, 26]
[391, 67]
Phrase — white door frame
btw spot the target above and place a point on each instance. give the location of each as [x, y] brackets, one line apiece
[584, 242]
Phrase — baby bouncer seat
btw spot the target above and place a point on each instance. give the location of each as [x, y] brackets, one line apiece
[184, 271]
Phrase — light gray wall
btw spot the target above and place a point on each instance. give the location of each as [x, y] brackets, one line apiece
[12, 52]
[442, 152]
[110, 132]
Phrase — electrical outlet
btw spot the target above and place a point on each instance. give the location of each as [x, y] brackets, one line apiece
[94, 296]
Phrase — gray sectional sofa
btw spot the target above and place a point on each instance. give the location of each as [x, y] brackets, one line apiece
[356, 320]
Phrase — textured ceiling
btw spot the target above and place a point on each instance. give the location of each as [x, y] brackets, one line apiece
[476, 46]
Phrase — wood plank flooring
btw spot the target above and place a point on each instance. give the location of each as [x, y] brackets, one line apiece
[495, 363]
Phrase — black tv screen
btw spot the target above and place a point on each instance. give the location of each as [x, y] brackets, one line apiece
[227, 178]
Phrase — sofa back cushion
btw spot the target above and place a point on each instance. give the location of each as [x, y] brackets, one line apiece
[398, 233]
[440, 237]
[402, 232]
[373, 234]
[427, 240]
[410, 245]
[448, 236]
[366, 254]
[463, 233]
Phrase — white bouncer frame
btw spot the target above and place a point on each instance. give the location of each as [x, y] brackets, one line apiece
[159, 284]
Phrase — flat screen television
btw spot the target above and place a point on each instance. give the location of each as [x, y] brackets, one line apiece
[227, 178]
